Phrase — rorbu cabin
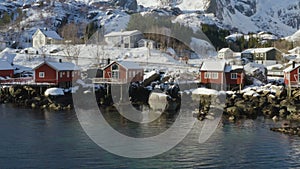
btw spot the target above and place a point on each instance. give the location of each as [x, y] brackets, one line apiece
[219, 75]
[61, 74]
[123, 72]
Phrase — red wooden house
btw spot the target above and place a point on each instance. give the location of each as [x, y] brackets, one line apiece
[123, 72]
[292, 75]
[6, 69]
[217, 74]
[57, 73]
[235, 76]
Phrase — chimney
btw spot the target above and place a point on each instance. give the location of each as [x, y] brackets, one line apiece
[294, 64]
[108, 60]
[60, 60]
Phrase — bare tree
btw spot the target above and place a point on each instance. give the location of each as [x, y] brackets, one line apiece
[70, 33]
[72, 52]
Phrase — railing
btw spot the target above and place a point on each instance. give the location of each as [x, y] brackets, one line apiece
[21, 80]
[109, 80]
[278, 73]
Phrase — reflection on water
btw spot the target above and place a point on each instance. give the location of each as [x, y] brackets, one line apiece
[43, 139]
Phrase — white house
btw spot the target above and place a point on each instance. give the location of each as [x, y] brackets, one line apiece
[125, 39]
[225, 53]
[45, 37]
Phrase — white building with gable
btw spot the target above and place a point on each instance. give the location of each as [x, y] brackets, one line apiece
[45, 37]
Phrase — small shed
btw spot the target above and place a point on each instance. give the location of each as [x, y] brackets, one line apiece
[147, 43]
[225, 53]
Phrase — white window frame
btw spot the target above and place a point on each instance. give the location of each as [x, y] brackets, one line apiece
[207, 75]
[41, 74]
[115, 73]
[215, 75]
[233, 76]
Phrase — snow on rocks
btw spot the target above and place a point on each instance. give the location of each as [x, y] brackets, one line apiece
[54, 92]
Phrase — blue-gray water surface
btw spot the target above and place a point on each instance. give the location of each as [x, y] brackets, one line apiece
[43, 139]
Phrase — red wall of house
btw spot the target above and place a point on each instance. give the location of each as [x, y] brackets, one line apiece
[107, 72]
[214, 81]
[239, 80]
[4, 73]
[65, 77]
[293, 77]
[50, 74]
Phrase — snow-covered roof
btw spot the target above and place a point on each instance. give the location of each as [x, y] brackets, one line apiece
[230, 68]
[130, 65]
[234, 37]
[291, 68]
[225, 50]
[146, 40]
[126, 65]
[295, 50]
[4, 65]
[50, 34]
[123, 33]
[205, 91]
[213, 65]
[60, 66]
[258, 50]
[54, 92]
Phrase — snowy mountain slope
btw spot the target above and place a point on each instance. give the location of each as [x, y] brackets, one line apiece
[294, 37]
[280, 17]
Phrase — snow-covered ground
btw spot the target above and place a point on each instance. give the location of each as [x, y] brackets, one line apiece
[91, 56]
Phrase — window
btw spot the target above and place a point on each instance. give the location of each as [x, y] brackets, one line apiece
[41, 74]
[211, 75]
[215, 75]
[68, 74]
[60, 74]
[233, 75]
[73, 74]
[115, 71]
[207, 75]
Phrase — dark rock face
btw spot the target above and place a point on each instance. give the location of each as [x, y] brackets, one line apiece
[287, 130]
[130, 5]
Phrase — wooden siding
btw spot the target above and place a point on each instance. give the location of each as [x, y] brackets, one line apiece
[50, 74]
[5, 73]
[125, 75]
[292, 76]
[212, 81]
